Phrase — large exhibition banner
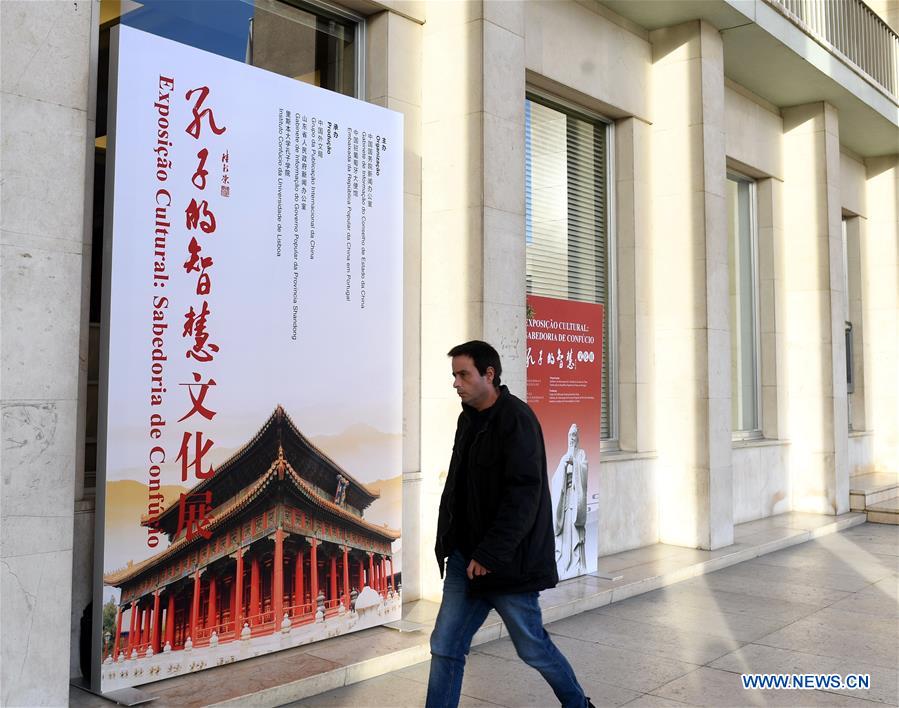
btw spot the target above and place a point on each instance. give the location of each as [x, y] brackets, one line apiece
[251, 418]
[564, 383]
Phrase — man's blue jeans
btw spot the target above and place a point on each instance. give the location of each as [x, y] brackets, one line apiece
[460, 617]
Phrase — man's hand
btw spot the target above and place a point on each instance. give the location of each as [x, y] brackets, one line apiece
[475, 568]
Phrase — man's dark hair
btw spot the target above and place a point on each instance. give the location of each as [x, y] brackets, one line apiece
[483, 356]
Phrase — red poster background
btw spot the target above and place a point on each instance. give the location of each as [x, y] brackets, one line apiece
[565, 386]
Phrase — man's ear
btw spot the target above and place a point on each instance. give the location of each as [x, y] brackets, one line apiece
[489, 374]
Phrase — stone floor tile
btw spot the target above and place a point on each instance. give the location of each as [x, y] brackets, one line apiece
[485, 672]
[878, 604]
[603, 664]
[870, 566]
[756, 658]
[706, 620]
[416, 672]
[731, 601]
[388, 691]
[714, 687]
[863, 642]
[846, 581]
[421, 611]
[727, 580]
[651, 639]
[213, 685]
[647, 700]
[367, 644]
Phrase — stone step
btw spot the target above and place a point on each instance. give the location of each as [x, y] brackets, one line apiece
[866, 490]
[885, 512]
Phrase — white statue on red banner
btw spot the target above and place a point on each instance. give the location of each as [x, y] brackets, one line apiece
[569, 493]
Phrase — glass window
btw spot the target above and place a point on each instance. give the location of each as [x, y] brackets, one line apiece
[295, 39]
[566, 215]
[744, 329]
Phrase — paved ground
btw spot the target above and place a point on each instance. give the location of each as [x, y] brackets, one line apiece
[826, 606]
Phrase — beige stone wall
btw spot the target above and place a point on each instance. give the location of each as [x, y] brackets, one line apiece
[753, 128]
[815, 317]
[393, 80]
[46, 136]
[888, 11]
[880, 292]
[689, 244]
[473, 247]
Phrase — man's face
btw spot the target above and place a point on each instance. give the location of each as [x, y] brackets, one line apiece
[473, 388]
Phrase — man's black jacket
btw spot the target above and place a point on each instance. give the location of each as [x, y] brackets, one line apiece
[509, 506]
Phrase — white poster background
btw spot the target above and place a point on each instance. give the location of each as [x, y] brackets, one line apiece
[338, 372]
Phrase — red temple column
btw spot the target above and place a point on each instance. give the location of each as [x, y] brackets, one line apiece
[195, 609]
[377, 585]
[138, 619]
[361, 575]
[213, 610]
[118, 632]
[313, 572]
[333, 578]
[131, 630]
[346, 577]
[383, 572]
[392, 583]
[170, 620]
[371, 570]
[238, 593]
[145, 635]
[278, 578]
[154, 632]
[298, 581]
[254, 589]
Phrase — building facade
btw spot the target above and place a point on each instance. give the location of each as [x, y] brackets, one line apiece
[722, 175]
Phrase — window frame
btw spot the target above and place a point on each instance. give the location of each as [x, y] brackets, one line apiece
[610, 311]
[342, 13]
[756, 433]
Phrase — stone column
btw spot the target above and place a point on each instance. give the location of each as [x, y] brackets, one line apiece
[45, 92]
[393, 80]
[691, 306]
[636, 360]
[473, 219]
[298, 582]
[815, 317]
[154, 632]
[254, 589]
[278, 578]
[212, 610]
[238, 592]
[195, 608]
[880, 266]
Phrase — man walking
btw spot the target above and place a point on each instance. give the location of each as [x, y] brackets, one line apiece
[495, 532]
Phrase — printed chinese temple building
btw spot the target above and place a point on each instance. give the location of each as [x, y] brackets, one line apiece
[274, 540]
